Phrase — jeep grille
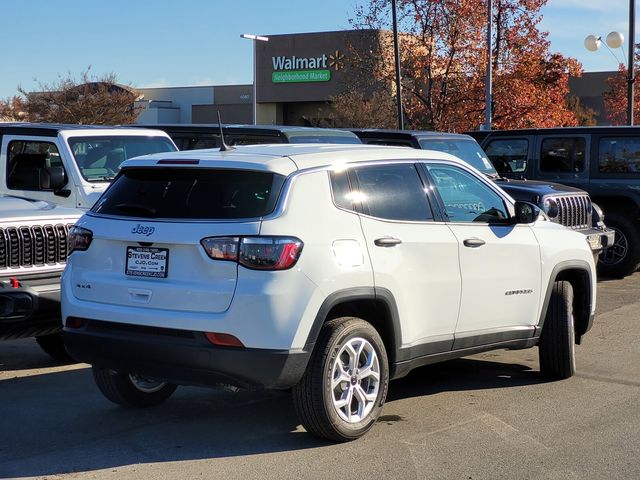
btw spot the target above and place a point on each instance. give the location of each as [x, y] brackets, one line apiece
[34, 245]
[574, 211]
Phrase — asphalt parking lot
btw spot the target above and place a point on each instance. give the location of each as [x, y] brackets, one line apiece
[484, 417]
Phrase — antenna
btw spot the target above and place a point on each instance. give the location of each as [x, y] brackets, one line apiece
[223, 146]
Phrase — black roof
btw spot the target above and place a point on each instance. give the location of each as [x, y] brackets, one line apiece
[391, 133]
[239, 128]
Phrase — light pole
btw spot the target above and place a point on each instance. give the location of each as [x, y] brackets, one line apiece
[255, 38]
[396, 55]
[615, 40]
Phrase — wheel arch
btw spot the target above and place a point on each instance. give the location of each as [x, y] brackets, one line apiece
[579, 275]
[374, 305]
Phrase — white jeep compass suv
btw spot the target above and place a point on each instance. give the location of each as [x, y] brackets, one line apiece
[327, 269]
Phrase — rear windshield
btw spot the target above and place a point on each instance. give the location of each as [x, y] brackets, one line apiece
[191, 194]
[467, 150]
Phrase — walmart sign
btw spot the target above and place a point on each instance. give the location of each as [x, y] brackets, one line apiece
[300, 69]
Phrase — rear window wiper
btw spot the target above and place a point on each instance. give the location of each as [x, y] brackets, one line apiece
[137, 209]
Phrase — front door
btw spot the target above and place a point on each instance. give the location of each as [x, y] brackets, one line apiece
[499, 262]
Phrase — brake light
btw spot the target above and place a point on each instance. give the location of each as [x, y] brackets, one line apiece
[258, 253]
[79, 239]
[223, 339]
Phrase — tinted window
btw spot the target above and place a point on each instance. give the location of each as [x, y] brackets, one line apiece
[508, 156]
[393, 192]
[27, 162]
[467, 150]
[322, 138]
[191, 194]
[465, 197]
[562, 155]
[619, 155]
[99, 158]
[341, 191]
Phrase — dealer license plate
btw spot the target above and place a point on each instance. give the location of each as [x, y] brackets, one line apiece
[147, 262]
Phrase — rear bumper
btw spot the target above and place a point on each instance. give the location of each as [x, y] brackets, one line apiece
[181, 356]
[31, 309]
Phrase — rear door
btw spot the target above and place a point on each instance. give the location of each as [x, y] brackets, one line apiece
[414, 256]
[563, 159]
[499, 262]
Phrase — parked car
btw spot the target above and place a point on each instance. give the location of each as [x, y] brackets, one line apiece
[198, 136]
[324, 269]
[563, 204]
[69, 165]
[33, 252]
[604, 161]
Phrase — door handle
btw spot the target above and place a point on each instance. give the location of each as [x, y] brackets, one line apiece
[387, 242]
[473, 242]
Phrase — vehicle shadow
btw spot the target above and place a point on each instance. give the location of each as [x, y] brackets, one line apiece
[25, 354]
[61, 424]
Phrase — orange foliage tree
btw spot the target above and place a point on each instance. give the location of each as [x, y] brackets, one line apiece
[615, 98]
[443, 63]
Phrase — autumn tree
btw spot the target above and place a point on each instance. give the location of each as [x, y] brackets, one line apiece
[12, 109]
[443, 63]
[615, 98]
[86, 100]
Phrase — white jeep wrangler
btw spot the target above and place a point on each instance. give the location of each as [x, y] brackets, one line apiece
[326, 269]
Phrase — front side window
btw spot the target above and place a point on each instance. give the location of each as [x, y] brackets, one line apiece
[99, 157]
[391, 192]
[28, 161]
[465, 197]
[619, 155]
[562, 155]
[509, 156]
[191, 194]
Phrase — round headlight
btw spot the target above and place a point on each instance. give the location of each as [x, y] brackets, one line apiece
[550, 207]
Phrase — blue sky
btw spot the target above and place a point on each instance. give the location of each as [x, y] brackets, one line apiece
[197, 42]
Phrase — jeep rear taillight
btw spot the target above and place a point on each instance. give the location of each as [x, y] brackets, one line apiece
[79, 239]
[258, 253]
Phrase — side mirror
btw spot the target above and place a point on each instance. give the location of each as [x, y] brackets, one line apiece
[52, 178]
[525, 212]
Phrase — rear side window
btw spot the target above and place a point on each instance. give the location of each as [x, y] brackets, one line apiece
[562, 155]
[508, 156]
[619, 155]
[393, 192]
[191, 194]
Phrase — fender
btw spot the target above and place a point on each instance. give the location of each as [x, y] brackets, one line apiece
[586, 318]
[383, 299]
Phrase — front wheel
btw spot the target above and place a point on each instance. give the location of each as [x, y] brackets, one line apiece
[131, 390]
[621, 258]
[557, 345]
[341, 394]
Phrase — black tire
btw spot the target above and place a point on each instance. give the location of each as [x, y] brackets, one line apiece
[54, 346]
[314, 398]
[556, 348]
[121, 388]
[623, 257]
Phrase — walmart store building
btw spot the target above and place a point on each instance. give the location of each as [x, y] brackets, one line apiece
[296, 77]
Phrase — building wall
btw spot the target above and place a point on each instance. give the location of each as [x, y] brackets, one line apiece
[182, 98]
[590, 89]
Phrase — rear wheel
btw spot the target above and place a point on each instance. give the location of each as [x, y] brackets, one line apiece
[342, 392]
[622, 258]
[557, 345]
[132, 390]
[54, 346]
